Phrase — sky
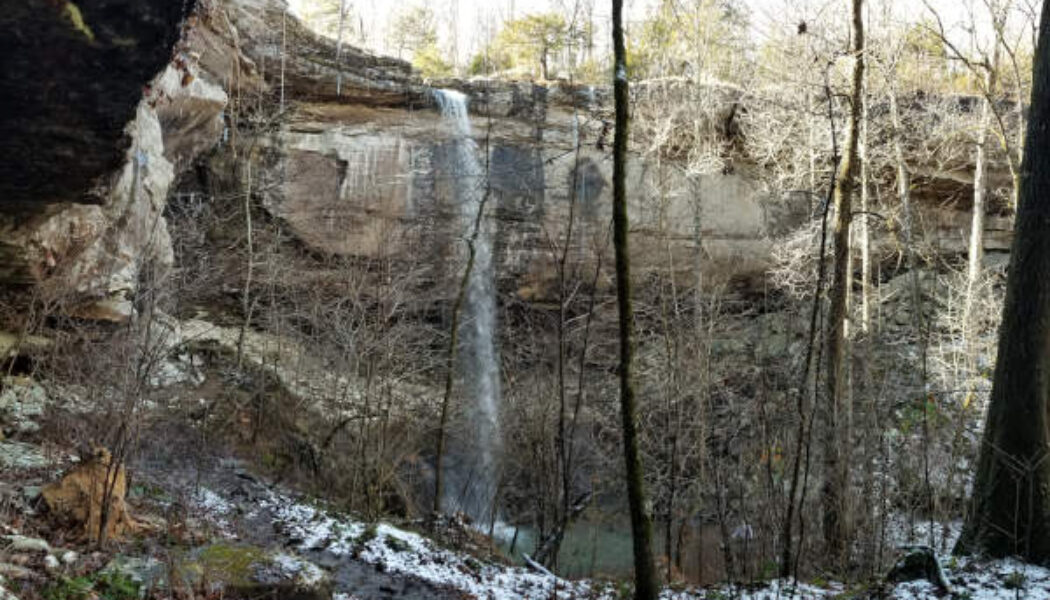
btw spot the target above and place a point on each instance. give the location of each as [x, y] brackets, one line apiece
[477, 20]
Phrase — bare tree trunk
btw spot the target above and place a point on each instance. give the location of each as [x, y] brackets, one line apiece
[568, 508]
[804, 431]
[865, 208]
[1010, 512]
[339, 49]
[975, 255]
[1020, 147]
[454, 36]
[645, 587]
[246, 301]
[284, 51]
[904, 197]
[837, 413]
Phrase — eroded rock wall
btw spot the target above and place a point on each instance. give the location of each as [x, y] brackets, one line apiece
[365, 181]
[362, 181]
[356, 164]
[88, 217]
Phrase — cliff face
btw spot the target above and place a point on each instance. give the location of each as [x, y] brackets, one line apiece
[110, 102]
[360, 180]
[73, 78]
[368, 182]
[123, 96]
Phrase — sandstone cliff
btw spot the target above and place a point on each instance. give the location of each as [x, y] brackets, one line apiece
[353, 166]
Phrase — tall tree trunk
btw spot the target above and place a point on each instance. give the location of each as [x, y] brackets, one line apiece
[450, 372]
[836, 413]
[865, 221]
[804, 435]
[645, 587]
[284, 52]
[1010, 511]
[454, 36]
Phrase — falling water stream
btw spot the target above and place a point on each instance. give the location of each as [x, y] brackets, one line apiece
[471, 471]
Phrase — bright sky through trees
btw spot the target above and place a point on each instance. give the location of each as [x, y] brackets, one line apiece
[475, 21]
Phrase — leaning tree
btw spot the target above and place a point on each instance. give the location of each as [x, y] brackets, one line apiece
[1010, 513]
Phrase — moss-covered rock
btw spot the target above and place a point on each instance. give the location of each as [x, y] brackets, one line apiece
[234, 570]
[245, 571]
[228, 563]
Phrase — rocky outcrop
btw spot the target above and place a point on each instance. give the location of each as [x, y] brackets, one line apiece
[158, 115]
[73, 77]
[356, 165]
[365, 181]
[133, 93]
[310, 67]
[22, 402]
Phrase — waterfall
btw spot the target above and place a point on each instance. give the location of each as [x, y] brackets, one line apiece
[471, 472]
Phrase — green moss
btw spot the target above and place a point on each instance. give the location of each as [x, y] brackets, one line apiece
[397, 545]
[101, 586]
[625, 590]
[72, 12]
[114, 586]
[230, 563]
[473, 564]
[66, 588]
[1014, 581]
[153, 492]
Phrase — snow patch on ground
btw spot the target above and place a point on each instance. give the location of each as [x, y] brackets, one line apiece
[398, 551]
[394, 550]
[215, 508]
[984, 580]
[293, 568]
[903, 531]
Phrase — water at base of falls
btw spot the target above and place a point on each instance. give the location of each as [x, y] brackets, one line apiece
[470, 468]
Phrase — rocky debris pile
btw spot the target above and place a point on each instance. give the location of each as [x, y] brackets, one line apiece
[18, 456]
[920, 563]
[22, 403]
[25, 559]
[196, 544]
